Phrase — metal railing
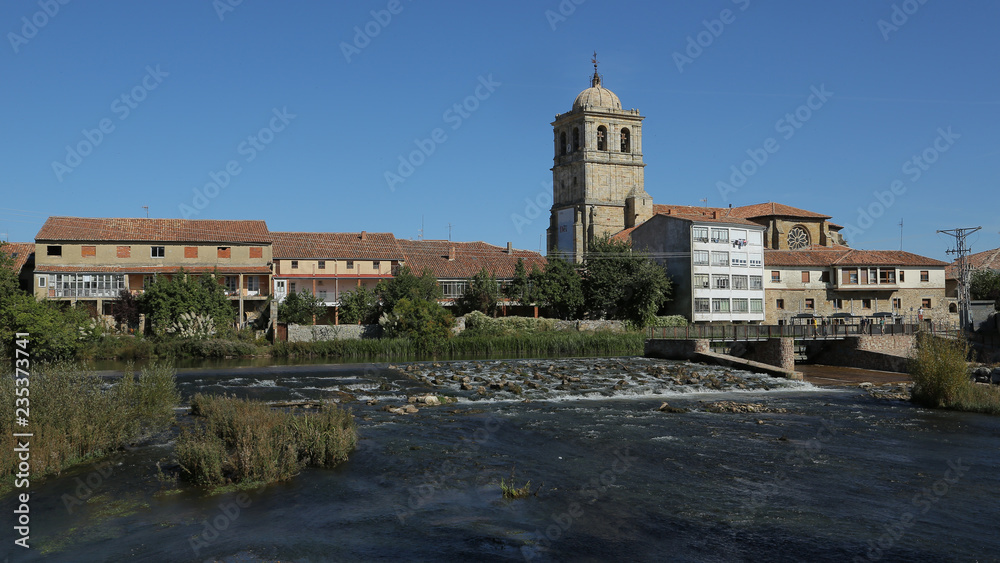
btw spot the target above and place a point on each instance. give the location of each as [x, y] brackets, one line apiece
[763, 332]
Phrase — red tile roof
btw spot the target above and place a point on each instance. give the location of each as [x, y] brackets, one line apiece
[989, 260]
[253, 270]
[333, 246]
[470, 258]
[132, 229]
[770, 208]
[842, 256]
[703, 214]
[19, 251]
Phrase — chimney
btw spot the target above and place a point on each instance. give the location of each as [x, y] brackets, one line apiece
[510, 248]
[451, 253]
[715, 214]
[364, 235]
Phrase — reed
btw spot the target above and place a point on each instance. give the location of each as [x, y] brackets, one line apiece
[941, 378]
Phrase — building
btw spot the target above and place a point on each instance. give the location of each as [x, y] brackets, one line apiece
[790, 228]
[329, 264]
[834, 282]
[23, 256]
[986, 260]
[454, 263]
[597, 172]
[88, 261]
[715, 261]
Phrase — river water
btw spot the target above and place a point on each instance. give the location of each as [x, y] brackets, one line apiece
[824, 474]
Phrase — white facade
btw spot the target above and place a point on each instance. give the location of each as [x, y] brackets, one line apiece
[727, 273]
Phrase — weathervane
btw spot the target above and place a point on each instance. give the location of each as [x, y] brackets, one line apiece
[594, 60]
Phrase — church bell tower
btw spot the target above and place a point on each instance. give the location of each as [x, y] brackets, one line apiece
[597, 175]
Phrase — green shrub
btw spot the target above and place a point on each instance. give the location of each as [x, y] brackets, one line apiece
[939, 371]
[478, 324]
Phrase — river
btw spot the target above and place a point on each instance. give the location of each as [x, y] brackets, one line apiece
[822, 474]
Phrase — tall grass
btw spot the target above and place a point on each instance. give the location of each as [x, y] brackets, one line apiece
[941, 378]
[245, 441]
[75, 415]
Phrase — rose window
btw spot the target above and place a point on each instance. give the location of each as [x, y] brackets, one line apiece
[798, 238]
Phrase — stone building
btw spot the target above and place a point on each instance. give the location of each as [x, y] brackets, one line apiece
[22, 256]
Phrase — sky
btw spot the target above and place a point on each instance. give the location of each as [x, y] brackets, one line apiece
[434, 119]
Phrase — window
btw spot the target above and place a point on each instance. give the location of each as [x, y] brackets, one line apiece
[849, 276]
[700, 234]
[720, 235]
[322, 294]
[453, 289]
[887, 276]
[702, 306]
[602, 138]
[291, 287]
[253, 283]
[148, 281]
[756, 261]
[700, 257]
[756, 305]
[866, 303]
[321, 265]
[925, 275]
[810, 304]
[53, 250]
[824, 277]
[576, 139]
[720, 282]
[87, 251]
[256, 252]
[350, 264]
[779, 304]
[897, 303]
[562, 144]
[740, 305]
[902, 278]
[720, 305]
[864, 276]
[375, 265]
[775, 276]
[41, 281]
[740, 259]
[85, 285]
[190, 251]
[232, 284]
[720, 258]
[756, 238]
[124, 252]
[740, 282]
[626, 140]
[925, 303]
[837, 303]
[295, 264]
[157, 252]
[701, 280]
[805, 276]
[225, 252]
[756, 282]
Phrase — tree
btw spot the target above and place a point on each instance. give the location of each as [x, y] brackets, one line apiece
[166, 300]
[424, 322]
[407, 285]
[125, 310]
[517, 290]
[985, 284]
[559, 288]
[482, 294]
[623, 285]
[301, 308]
[359, 306]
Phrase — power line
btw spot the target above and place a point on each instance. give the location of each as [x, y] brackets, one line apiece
[961, 251]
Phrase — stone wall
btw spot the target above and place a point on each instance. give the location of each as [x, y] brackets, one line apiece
[773, 351]
[310, 333]
[675, 349]
[876, 352]
[580, 326]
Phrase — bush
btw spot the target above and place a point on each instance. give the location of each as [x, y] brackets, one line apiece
[672, 320]
[245, 441]
[939, 371]
[425, 323]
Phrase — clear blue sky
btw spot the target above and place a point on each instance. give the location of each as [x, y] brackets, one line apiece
[203, 84]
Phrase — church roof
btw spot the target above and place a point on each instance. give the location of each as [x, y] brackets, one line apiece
[597, 96]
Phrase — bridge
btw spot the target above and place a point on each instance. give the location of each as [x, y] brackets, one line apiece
[757, 333]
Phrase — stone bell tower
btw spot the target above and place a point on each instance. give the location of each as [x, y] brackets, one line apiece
[597, 174]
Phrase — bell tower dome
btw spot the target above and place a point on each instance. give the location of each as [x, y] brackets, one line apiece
[597, 172]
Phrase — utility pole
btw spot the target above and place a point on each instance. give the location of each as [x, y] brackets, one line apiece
[900, 234]
[449, 231]
[961, 251]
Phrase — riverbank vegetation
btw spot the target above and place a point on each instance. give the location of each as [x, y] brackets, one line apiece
[75, 417]
[247, 442]
[941, 378]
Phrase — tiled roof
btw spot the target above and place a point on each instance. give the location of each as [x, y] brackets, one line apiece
[254, 270]
[624, 235]
[332, 246]
[770, 208]
[20, 251]
[989, 260]
[703, 214]
[131, 229]
[470, 258]
[843, 256]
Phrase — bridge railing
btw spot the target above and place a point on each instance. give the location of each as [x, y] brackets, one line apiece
[762, 332]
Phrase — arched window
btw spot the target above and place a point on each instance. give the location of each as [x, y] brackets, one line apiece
[626, 140]
[562, 143]
[602, 138]
[952, 308]
[576, 139]
[573, 193]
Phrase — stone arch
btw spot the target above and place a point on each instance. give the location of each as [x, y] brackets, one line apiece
[626, 138]
[602, 138]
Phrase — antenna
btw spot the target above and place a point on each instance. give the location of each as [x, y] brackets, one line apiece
[901, 234]
[704, 200]
[960, 250]
[146, 207]
[449, 231]
[421, 236]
